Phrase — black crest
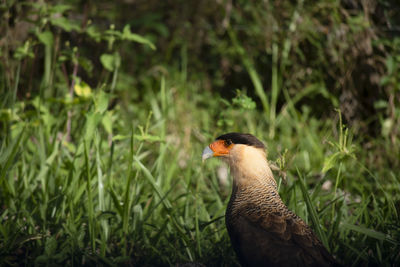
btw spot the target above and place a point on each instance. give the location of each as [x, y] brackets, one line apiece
[240, 138]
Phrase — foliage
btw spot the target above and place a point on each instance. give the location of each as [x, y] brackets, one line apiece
[106, 108]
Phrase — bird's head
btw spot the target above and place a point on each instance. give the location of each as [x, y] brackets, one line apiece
[231, 145]
[244, 153]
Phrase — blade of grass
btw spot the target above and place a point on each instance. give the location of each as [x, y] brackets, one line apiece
[249, 65]
[153, 183]
[336, 186]
[101, 206]
[90, 207]
[311, 209]
[275, 88]
[370, 232]
[7, 158]
[127, 193]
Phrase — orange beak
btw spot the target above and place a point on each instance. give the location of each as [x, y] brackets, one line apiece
[216, 149]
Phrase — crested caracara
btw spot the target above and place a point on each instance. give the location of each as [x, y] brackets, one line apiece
[263, 231]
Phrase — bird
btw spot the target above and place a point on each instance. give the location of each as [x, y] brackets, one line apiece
[262, 230]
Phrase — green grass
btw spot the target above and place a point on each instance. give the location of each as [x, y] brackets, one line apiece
[110, 173]
[139, 193]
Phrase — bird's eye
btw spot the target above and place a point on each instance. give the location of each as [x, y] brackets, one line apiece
[228, 142]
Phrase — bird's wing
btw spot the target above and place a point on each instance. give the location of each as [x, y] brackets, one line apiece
[283, 237]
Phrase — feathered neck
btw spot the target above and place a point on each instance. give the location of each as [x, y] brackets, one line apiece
[249, 165]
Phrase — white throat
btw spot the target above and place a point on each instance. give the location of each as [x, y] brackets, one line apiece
[248, 165]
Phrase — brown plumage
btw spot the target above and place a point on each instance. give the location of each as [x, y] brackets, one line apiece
[263, 231]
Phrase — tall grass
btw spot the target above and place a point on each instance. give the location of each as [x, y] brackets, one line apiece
[143, 197]
[112, 174]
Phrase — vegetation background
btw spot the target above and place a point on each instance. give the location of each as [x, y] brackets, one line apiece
[107, 105]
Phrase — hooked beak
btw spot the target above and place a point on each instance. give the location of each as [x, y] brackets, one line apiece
[207, 153]
[217, 148]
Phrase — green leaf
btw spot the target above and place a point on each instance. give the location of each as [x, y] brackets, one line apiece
[45, 38]
[23, 51]
[93, 120]
[120, 137]
[128, 35]
[50, 246]
[148, 137]
[101, 102]
[107, 122]
[387, 127]
[82, 89]
[94, 33]
[243, 101]
[60, 8]
[5, 115]
[385, 80]
[390, 64]
[144, 137]
[110, 61]
[330, 162]
[370, 232]
[65, 24]
[380, 104]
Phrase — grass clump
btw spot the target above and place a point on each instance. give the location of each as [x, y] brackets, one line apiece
[143, 197]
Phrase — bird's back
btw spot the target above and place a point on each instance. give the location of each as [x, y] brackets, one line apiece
[264, 232]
